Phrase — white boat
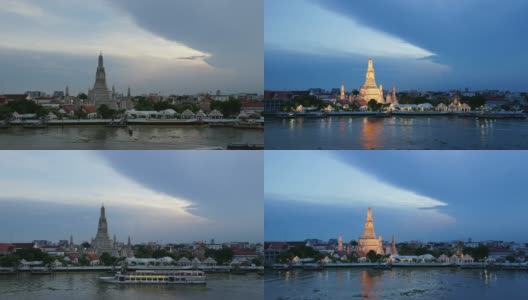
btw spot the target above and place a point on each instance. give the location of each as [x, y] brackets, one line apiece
[157, 277]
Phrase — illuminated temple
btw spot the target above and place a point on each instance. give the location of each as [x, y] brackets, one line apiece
[368, 240]
[371, 91]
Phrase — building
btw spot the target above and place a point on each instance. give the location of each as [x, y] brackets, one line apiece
[102, 242]
[370, 90]
[100, 94]
[391, 249]
[368, 240]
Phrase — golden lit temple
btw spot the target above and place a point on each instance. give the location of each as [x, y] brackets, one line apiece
[368, 240]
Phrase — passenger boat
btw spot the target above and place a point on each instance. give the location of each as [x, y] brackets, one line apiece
[157, 277]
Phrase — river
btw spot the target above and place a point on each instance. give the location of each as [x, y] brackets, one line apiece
[396, 132]
[141, 138]
[87, 286]
[447, 284]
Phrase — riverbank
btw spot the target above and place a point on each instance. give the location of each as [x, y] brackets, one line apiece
[211, 269]
[470, 114]
[478, 265]
[233, 123]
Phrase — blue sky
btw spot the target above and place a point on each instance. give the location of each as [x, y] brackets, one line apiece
[415, 195]
[168, 196]
[436, 44]
[153, 46]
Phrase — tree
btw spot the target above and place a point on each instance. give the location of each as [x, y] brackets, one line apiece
[355, 92]
[159, 253]
[143, 252]
[107, 259]
[222, 256]
[372, 256]
[373, 105]
[85, 245]
[105, 112]
[82, 96]
[256, 261]
[476, 101]
[83, 261]
[80, 114]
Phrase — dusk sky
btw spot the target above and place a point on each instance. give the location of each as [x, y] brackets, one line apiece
[436, 44]
[164, 196]
[415, 195]
[153, 46]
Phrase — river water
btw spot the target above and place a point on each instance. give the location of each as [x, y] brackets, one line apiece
[396, 132]
[87, 286]
[447, 284]
[142, 137]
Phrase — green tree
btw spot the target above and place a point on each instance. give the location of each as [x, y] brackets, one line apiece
[80, 114]
[159, 253]
[222, 256]
[373, 105]
[143, 252]
[82, 96]
[83, 261]
[107, 259]
[476, 101]
[105, 112]
[355, 92]
[372, 256]
[85, 245]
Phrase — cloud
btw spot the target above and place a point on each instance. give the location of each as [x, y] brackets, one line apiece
[151, 60]
[23, 9]
[325, 32]
[343, 186]
[169, 195]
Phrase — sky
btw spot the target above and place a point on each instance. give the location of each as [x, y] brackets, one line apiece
[421, 45]
[163, 196]
[414, 195]
[181, 47]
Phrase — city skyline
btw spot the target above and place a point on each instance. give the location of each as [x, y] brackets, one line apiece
[151, 196]
[159, 46]
[425, 196]
[328, 42]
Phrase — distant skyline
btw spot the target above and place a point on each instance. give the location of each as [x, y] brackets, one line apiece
[172, 47]
[415, 195]
[429, 45]
[165, 196]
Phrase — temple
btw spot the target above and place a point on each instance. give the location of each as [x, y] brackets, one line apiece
[368, 240]
[100, 94]
[370, 90]
[102, 242]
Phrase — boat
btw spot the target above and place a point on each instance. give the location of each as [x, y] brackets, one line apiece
[281, 267]
[157, 277]
[245, 147]
[285, 115]
[383, 267]
[41, 271]
[39, 125]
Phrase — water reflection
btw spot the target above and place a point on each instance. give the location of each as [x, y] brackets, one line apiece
[371, 133]
[369, 281]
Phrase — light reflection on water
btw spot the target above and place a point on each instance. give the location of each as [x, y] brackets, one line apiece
[396, 133]
[142, 137]
[396, 284]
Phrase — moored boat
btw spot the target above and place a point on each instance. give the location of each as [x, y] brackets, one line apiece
[157, 277]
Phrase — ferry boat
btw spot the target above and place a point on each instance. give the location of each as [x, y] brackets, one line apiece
[157, 277]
